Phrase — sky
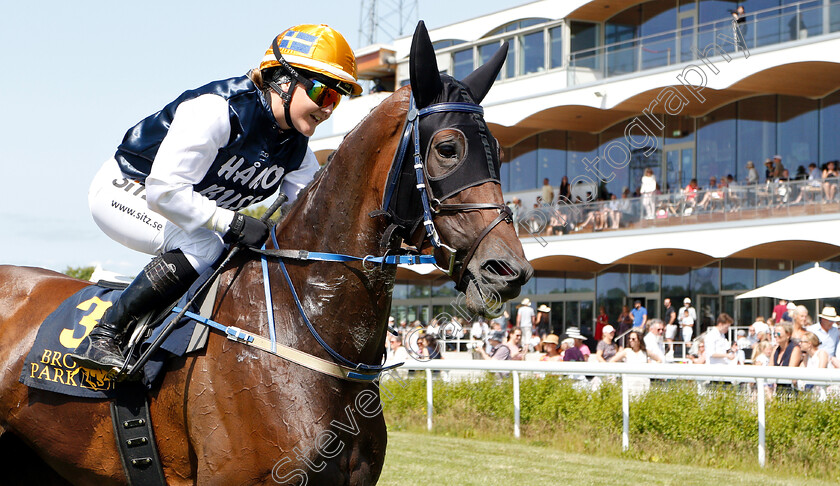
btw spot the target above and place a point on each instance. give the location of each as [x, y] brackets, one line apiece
[76, 76]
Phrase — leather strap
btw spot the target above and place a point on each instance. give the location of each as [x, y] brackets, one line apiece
[135, 437]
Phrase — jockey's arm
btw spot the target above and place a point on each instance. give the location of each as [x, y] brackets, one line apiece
[199, 128]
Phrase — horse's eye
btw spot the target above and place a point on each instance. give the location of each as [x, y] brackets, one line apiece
[447, 150]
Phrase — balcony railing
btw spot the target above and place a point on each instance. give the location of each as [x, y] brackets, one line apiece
[761, 28]
[728, 203]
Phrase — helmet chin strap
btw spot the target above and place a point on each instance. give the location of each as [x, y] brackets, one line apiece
[286, 96]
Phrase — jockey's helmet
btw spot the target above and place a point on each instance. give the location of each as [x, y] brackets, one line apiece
[319, 49]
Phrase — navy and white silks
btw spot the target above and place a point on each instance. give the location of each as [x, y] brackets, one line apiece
[180, 174]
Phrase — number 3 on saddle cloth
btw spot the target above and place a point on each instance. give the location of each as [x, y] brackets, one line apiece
[48, 367]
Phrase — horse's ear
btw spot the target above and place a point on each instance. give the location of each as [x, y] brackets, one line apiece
[480, 80]
[423, 68]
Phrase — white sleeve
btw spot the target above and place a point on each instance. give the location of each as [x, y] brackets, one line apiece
[298, 179]
[199, 128]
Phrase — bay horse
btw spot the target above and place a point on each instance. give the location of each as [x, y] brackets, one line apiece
[231, 414]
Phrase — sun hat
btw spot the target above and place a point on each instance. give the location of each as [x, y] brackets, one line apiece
[830, 314]
[574, 333]
[552, 338]
[607, 328]
[525, 302]
[686, 300]
[544, 308]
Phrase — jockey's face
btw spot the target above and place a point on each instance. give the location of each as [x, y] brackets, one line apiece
[305, 113]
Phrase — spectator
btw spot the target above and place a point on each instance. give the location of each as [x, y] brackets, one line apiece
[606, 347]
[768, 170]
[690, 193]
[503, 320]
[498, 350]
[547, 193]
[634, 353]
[813, 357]
[525, 320]
[431, 348]
[574, 333]
[564, 192]
[614, 210]
[516, 209]
[786, 354]
[778, 168]
[543, 321]
[779, 310]
[480, 330]
[601, 321]
[640, 316]
[648, 190]
[763, 356]
[625, 321]
[671, 324]
[825, 331]
[737, 353]
[801, 320]
[814, 185]
[752, 174]
[788, 314]
[699, 355]
[718, 349]
[396, 351]
[713, 193]
[654, 342]
[829, 178]
[572, 352]
[743, 341]
[550, 346]
[762, 330]
[688, 316]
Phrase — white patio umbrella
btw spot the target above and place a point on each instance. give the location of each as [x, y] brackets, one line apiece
[814, 283]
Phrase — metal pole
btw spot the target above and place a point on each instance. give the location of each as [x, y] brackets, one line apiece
[625, 413]
[516, 404]
[429, 405]
[759, 384]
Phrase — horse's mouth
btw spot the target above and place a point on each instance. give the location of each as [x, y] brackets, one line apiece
[492, 282]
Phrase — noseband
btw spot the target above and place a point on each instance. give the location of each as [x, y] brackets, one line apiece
[432, 206]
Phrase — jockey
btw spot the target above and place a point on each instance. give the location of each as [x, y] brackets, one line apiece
[179, 176]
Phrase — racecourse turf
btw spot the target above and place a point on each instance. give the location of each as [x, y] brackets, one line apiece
[428, 459]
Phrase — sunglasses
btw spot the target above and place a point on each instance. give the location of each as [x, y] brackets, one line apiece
[777, 334]
[320, 93]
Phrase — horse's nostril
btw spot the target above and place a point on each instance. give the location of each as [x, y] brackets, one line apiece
[498, 268]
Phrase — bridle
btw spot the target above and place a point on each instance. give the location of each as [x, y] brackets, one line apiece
[432, 206]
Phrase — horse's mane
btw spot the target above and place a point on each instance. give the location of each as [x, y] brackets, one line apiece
[337, 153]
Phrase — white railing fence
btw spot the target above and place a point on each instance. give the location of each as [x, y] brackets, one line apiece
[757, 374]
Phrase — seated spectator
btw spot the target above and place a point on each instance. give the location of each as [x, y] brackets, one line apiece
[813, 358]
[829, 180]
[690, 194]
[574, 333]
[550, 346]
[813, 187]
[699, 355]
[498, 351]
[572, 353]
[654, 342]
[606, 347]
[613, 210]
[634, 353]
[597, 217]
[714, 193]
[736, 355]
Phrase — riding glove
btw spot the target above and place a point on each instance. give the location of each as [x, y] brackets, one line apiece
[246, 230]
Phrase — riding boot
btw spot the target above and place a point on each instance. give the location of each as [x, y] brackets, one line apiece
[162, 282]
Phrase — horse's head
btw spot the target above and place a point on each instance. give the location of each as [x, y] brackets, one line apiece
[464, 215]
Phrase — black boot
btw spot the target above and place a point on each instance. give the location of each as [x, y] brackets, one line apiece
[162, 281]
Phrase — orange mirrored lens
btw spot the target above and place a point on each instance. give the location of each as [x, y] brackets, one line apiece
[322, 94]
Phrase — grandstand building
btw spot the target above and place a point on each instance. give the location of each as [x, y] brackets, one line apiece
[599, 91]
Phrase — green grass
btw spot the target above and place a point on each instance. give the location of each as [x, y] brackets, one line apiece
[422, 458]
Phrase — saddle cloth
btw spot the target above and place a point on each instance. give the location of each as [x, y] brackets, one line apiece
[47, 366]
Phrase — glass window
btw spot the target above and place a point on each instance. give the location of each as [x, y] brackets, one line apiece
[462, 63]
[400, 291]
[738, 274]
[485, 52]
[613, 290]
[659, 20]
[834, 16]
[756, 133]
[555, 35]
[615, 168]
[584, 39]
[552, 283]
[444, 287]
[523, 165]
[829, 121]
[504, 169]
[797, 131]
[419, 290]
[580, 282]
[441, 44]
[769, 271]
[706, 280]
[510, 62]
[644, 278]
[716, 144]
[551, 155]
[675, 283]
[533, 53]
[582, 146]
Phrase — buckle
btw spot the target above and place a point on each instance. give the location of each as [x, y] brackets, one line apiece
[452, 254]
